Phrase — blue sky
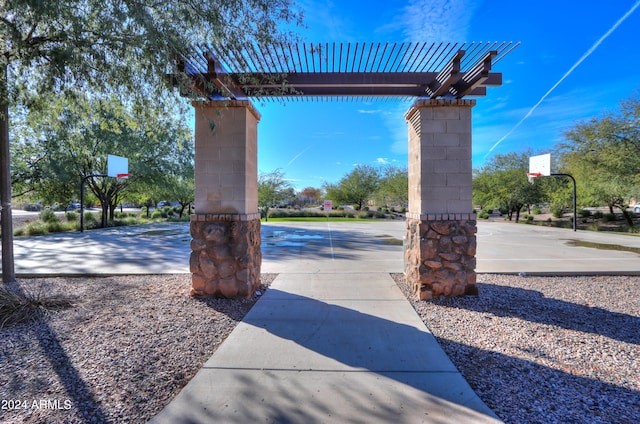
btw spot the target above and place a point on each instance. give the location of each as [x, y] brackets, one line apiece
[577, 59]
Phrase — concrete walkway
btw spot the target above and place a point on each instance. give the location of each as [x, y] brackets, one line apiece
[329, 348]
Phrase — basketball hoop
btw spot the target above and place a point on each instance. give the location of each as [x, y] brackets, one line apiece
[532, 175]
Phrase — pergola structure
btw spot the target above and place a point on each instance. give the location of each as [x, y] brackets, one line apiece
[441, 243]
[377, 70]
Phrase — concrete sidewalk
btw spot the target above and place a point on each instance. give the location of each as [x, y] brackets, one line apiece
[329, 347]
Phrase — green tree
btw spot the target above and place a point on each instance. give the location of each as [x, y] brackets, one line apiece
[503, 183]
[121, 46]
[182, 190]
[603, 154]
[394, 187]
[273, 189]
[357, 187]
[74, 136]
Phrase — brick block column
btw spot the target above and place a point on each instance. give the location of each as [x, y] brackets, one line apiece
[441, 242]
[225, 248]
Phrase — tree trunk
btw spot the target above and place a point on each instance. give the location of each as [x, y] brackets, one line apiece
[627, 216]
[105, 212]
[6, 219]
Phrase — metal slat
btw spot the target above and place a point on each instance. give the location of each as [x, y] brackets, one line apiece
[411, 67]
[389, 58]
[364, 46]
[382, 56]
[355, 57]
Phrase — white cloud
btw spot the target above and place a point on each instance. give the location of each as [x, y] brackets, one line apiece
[383, 161]
[436, 20]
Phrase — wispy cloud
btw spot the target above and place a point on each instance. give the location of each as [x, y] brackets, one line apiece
[297, 156]
[575, 65]
[436, 20]
[382, 161]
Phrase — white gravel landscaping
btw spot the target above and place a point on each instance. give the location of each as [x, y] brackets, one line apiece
[545, 349]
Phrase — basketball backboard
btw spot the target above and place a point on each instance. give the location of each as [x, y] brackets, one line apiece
[540, 166]
[117, 166]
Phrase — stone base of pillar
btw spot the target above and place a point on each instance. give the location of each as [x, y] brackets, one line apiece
[225, 255]
[440, 255]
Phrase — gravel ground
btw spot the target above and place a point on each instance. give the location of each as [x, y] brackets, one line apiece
[536, 350]
[120, 354]
[545, 349]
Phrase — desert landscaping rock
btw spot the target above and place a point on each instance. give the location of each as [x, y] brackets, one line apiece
[535, 349]
[545, 349]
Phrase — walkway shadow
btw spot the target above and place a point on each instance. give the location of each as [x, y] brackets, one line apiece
[533, 306]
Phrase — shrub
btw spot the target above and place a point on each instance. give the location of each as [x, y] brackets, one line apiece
[598, 215]
[557, 212]
[156, 214]
[536, 210]
[90, 221]
[483, 215]
[585, 213]
[529, 219]
[89, 217]
[609, 217]
[55, 227]
[17, 307]
[36, 228]
[47, 215]
[71, 216]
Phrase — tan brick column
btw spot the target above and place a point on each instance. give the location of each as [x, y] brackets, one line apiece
[441, 242]
[225, 247]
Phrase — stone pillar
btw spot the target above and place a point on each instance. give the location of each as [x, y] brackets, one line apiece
[225, 247]
[441, 242]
